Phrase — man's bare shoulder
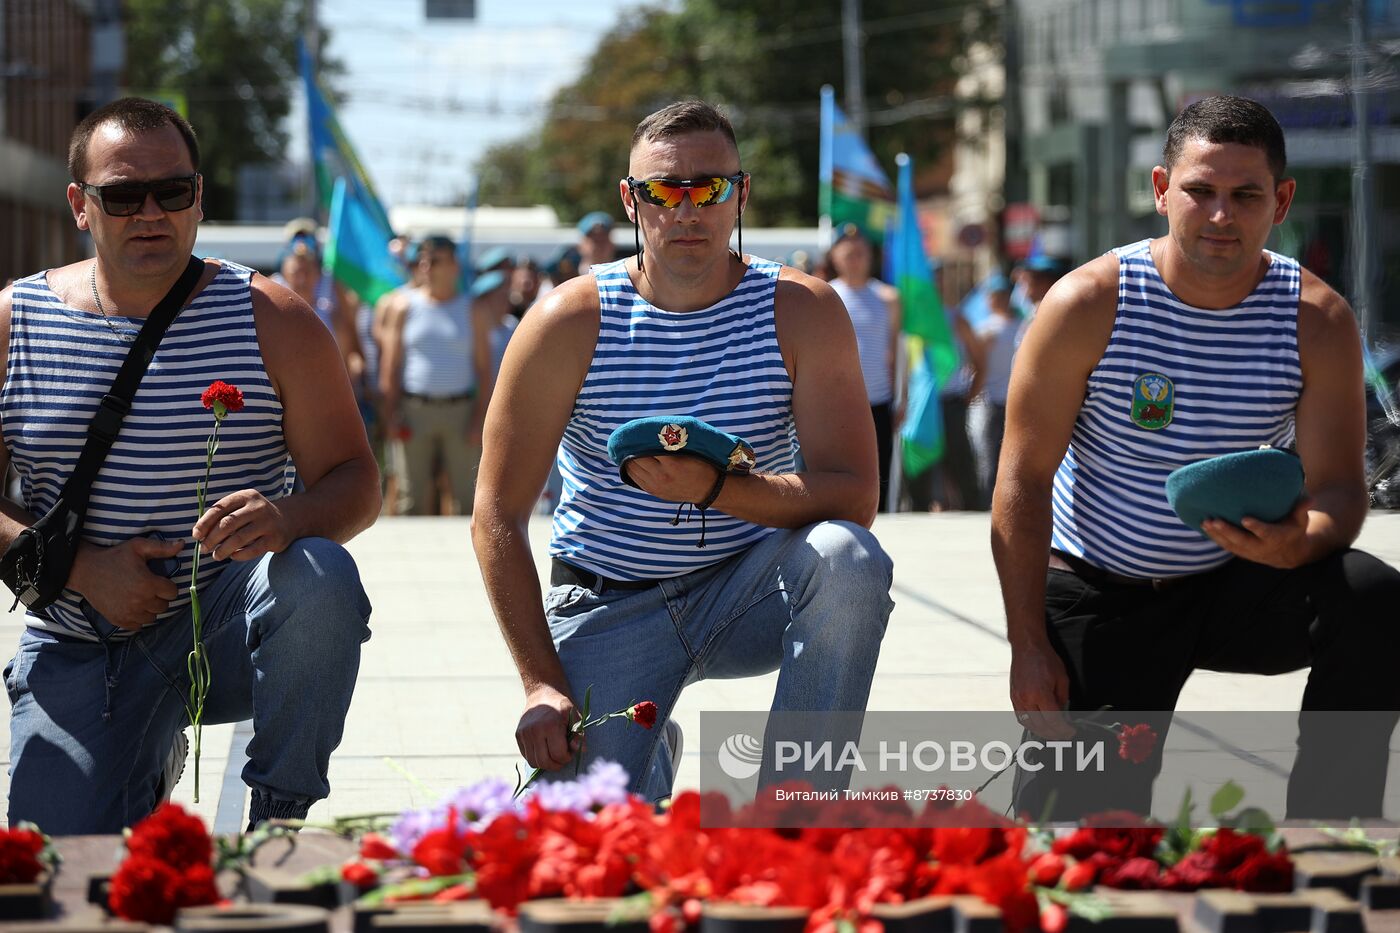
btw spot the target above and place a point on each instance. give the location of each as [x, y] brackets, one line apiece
[569, 310]
[271, 298]
[285, 323]
[1089, 291]
[1075, 319]
[1322, 313]
[799, 294]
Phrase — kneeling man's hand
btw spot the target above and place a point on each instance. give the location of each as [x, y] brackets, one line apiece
[117, 583]
[673, 479]
[543, 733]
[1282, 544]
[243, 526]
[1040, 691]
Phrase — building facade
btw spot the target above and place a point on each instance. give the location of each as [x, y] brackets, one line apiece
[59, 59]
[1098, 81]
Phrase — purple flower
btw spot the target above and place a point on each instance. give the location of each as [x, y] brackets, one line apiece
[478, 804]
[606, 782]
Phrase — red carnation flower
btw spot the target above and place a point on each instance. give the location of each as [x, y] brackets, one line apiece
[643, 714]
[1135, 743]
[1047, 869]
[1197, 870]
[224, 394]
[172, 836]
[443, 851]
[1080, 875]
[1265, 874]
[1136, 874]
[145, 889]
[19, 856]
[359, 874]
[375, 846]
[197, 887]
[1054, 918]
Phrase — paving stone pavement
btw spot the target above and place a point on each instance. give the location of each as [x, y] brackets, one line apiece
[438, 697]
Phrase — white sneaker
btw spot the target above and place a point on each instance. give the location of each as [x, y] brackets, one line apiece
[174, 767]
[675, 741]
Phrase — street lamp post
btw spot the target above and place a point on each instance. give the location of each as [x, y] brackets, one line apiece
[1363, 210]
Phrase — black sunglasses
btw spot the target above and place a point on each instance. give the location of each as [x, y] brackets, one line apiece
[126, 197]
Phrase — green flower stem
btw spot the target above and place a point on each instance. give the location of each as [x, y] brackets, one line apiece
[201, 675]
[576, 729]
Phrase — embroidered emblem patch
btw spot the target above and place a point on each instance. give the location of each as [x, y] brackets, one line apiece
[673, 437]
[1154, 399]
[741, 458]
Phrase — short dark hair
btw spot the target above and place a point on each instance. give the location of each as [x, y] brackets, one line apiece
[133, 115]
[684, 116]
[437, 241]
[1225, 119]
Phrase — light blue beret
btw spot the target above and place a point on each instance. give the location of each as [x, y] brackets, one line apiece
[678, 434]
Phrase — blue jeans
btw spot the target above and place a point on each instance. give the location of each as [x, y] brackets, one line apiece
[92, 722]
[810, 603]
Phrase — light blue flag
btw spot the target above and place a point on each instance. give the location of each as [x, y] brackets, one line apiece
[332, 156]
[357, 246]
[854, 188]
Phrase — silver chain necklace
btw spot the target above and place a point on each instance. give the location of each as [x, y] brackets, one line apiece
[97, 299]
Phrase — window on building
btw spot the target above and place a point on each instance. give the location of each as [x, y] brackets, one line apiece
[450, 9]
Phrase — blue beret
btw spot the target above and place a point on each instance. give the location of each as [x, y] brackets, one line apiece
[678, 434]
[594, 219]
[1043, 263]
[1264, 484]
[487, 282]
[492, 258]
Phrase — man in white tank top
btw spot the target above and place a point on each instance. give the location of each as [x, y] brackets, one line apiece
[1134, 600]
[96, 692]
[809, 596]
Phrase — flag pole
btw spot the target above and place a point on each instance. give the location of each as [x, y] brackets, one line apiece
[826, 166]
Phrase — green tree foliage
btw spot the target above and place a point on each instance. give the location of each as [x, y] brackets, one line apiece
[236, 65]
[765, 64]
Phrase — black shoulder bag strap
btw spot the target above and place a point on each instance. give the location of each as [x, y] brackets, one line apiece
[37, 563]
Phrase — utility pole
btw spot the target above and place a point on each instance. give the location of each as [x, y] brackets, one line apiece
[312, 39]
[852, 41]
[1363, 212]
[313, 34]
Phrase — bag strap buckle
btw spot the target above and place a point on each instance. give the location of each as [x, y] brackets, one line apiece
[106, 424]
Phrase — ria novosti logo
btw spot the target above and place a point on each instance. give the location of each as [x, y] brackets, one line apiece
[740, 756]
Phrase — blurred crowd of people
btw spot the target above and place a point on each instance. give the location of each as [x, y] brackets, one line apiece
[423, 359]
[987, 325]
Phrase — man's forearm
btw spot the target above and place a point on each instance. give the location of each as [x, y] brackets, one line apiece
[794, 500]
[1020, 546]
[339, 506]
[13, 519]
[1334, 520]
[502, 548]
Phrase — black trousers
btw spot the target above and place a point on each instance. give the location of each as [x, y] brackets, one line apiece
[884, 438]
[1131, 647]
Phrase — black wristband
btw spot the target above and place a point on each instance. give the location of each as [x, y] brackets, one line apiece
[709, 500]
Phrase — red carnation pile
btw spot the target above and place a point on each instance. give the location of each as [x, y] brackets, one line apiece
[1127, 858]
[167, 867]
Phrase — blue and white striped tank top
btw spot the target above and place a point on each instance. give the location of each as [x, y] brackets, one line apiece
[871, 318]
[437, 346]
[721, 364]
[1176, 384]
[61, 361]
